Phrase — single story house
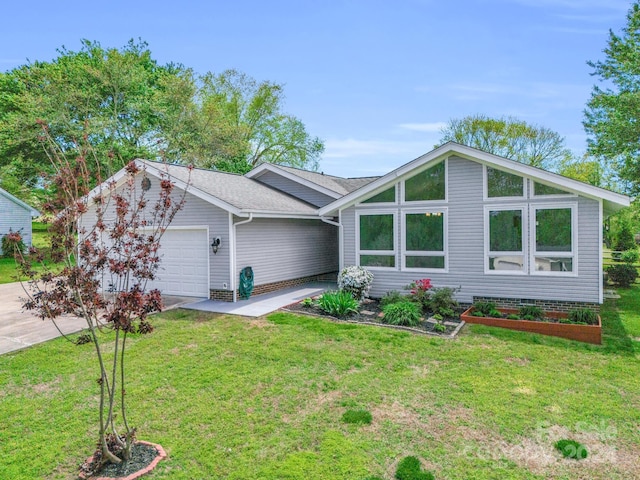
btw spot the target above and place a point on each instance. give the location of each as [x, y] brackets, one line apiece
[489, 226]
[16, 217]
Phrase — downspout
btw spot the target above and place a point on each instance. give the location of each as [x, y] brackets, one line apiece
[339, 225]
[235, 253]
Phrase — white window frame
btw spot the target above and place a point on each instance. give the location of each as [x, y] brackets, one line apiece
[390, 253]
[487, 240]
[426, 202]
[573, 254]
[485, 186]
[395, 186]
[424, 253]
[551, 196]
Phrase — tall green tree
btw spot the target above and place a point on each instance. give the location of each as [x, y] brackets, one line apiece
[612, 115]
[249, 115]
[510, 138]
[127, 105]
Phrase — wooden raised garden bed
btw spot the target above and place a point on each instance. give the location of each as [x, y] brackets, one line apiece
[581, 333]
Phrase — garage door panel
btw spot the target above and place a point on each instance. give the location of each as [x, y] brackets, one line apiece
[184, 263]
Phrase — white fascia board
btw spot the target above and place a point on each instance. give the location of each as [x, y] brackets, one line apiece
[612, 199]
[256, 172]
[266, 214]
[120, 176]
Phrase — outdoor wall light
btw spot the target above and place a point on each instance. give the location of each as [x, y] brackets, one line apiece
[215, 244]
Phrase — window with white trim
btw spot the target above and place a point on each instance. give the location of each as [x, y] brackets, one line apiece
[428, 185]
[553, 249]
[424, 240]
[503, 184]
[376, 239]
[386, 196]
[505, 240]
[542, 190]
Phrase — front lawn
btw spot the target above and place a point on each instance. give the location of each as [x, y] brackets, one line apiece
[40, 240]
[234, 398]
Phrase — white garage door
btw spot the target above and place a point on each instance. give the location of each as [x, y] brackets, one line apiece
[184, 263]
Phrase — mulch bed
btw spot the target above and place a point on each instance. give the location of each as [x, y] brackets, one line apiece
[371, 314]
[144, 458]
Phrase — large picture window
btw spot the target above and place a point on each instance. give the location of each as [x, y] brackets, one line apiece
[425, 240]
[427, 185]
[503, 184]
[505, 242]
[386, 196]
[553, 249]
[377, 240]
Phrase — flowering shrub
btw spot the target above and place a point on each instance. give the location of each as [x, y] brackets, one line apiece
[355, 280]
[420, 292]
[12, 243]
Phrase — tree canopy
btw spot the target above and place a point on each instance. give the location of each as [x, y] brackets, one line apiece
[612, 116]
[127, 105]
[510, 138]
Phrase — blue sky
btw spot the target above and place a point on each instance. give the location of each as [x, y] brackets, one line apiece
[376, 80]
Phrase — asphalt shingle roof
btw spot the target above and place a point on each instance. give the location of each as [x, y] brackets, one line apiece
[335, 184]
[238, 191]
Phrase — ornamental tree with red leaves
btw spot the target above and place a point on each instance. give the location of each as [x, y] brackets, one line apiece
[107, 237]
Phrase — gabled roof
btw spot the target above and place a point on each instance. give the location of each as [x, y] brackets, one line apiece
[33, 211]
[234, 193]
[612, 201]
[329, 185]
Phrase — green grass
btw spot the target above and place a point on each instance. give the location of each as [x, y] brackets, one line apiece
[40, 240]
[235, 398]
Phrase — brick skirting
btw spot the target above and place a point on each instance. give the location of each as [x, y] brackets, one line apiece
[227, 295]
[546, 305]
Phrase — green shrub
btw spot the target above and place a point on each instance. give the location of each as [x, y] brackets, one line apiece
[338, 304]
[583, 315]
[447, 313]
[421, 293]
[409, 468]
[404, 313]
[438, 318]
[624, 239]
[307, 302]
[495, 314]
[513, 316]
[535, 313]
[12, 243]
[629, 256]
[623, 275]
[477, 314]
[440, 327]
[484, 307]
[355, 280]
[359, 417]
[571, 449]
[393, 296]
[442, 301]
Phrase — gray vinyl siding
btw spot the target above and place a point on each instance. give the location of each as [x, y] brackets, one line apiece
[16, 218]
[200, 214]
[295, 189]
[284, 249]
[465, 218]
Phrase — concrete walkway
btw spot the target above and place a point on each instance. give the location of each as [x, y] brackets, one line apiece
[20, 329]
[263, 304]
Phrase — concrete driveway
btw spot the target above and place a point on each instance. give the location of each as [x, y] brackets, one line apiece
[21, 329]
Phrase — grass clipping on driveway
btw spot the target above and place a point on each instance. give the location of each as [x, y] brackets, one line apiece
[233, 398]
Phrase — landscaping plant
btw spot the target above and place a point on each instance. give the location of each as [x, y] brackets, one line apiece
[582, 316]
[12, 244]
[338, 304]
[442, 301]
[421, 293]
[393, 297]
[404, 313]
[531, 312]
[121, 247]
[355, 280]
[409, 468]
[358, 417]
[571, 449]
[623, 274]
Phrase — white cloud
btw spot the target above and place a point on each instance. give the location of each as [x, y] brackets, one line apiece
[433, 127]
